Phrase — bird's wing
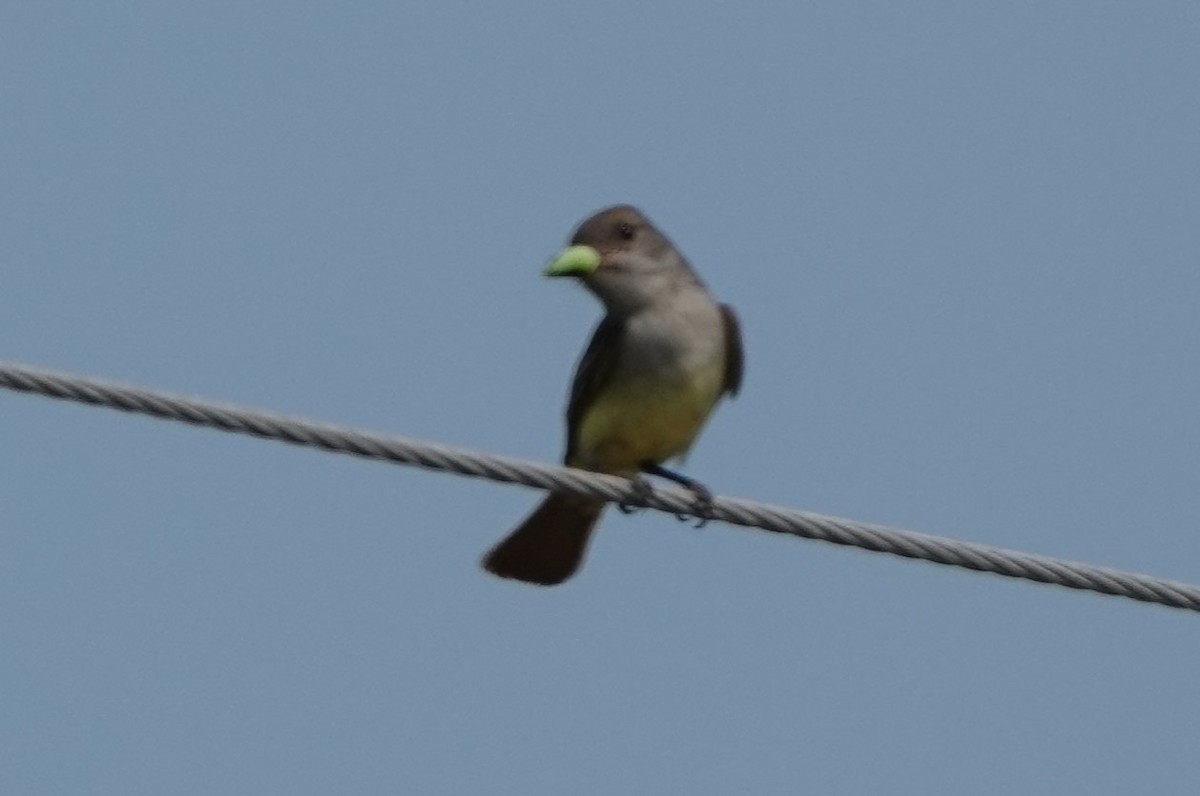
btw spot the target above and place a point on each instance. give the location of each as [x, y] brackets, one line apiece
[734, 362]
[593, 374]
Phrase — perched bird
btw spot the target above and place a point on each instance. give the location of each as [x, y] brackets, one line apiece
[663, 355]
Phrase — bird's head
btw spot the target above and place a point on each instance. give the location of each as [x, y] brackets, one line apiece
[623, 258]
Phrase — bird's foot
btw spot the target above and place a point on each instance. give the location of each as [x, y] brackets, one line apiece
[702, 503]
[639, 492]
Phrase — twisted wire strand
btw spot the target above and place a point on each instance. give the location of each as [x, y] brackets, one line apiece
[338, 439]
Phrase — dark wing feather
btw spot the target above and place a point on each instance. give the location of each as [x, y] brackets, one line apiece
[594, 371]
[734, 362]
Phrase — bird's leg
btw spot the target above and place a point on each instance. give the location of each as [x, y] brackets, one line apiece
[639, 491]
[702, 506]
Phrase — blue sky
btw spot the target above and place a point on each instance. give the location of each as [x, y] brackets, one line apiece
[963, 242]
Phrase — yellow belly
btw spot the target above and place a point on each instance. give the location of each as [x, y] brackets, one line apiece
[644, 420]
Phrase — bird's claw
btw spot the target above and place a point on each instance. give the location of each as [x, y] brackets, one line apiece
[702, 505]
[639, 492]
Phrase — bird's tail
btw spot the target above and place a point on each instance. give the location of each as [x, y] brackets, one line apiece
[548, 547]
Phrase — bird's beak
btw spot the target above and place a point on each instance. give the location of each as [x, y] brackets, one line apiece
[574, 261]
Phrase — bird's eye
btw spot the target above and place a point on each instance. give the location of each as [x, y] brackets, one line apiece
[625, 230]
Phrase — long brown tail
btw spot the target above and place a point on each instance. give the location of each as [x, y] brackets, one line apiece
[548, 547]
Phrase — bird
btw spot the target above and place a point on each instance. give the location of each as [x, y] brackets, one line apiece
[662, 357]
